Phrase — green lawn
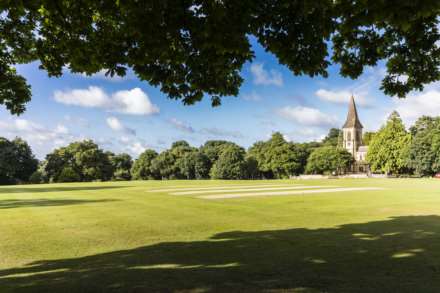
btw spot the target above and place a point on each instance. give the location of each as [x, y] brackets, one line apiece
[120, 236]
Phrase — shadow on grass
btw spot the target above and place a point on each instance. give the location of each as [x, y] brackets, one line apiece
[45, 188]
[43, 202]
[398, 255]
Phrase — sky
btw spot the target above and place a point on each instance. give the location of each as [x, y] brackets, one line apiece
[129, 115]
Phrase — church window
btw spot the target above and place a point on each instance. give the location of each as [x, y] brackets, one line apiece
[349, 135]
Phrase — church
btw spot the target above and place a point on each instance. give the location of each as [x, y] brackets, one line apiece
[352, 140]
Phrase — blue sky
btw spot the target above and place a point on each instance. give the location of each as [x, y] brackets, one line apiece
[127, 115]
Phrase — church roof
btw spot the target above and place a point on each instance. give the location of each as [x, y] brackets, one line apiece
[352, 117]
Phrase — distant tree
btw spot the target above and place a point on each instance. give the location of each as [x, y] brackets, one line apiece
[231, 164]
[8, 167]
[424, 152]
[328, 160]
[333, 137]
[83, 158]
[195, 165]
[142, 167]
[278, 158]
[252, 171]
[165, 166]
[36, 177]
[213, 148]
[68, 174]
[121, 166]
[17, 162]
[389, 149]
[368, 136]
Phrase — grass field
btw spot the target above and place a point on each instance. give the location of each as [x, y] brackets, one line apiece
[305, 236]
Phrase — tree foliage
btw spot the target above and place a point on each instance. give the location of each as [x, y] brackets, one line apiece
[231, 164]
[142, 167]
[424, 152]
[193, 48]
[333, 138]
[17, 162]
[82, 161]
[278, 158]
[367, 137]
[389, 149]
[121, 166]
[328, 160]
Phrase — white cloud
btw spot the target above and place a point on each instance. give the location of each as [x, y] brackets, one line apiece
[92, 97]
[307, 116]
[133, 102]
[341, 96]
[136, 148]
[264, 77]
[61, 129]
[116, 125]
[185, 127]
[42, 139]
[305, 134]
[419, 104]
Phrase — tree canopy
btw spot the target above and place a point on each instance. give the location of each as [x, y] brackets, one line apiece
[17, 162]
[329, 159]
[389, 148]
[424, 153]
[277, 158]
[196, 48]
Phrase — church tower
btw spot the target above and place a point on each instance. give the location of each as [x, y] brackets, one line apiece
[352, 130]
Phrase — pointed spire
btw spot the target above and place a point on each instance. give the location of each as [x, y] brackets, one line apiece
[352, 117]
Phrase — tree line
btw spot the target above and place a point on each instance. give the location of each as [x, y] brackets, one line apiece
[392, 150]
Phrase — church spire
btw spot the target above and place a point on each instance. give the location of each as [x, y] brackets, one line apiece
[352, 117]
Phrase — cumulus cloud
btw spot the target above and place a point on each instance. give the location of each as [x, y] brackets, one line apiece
[305, 134]
[264, 77]
[92, 97]
[42, 139]
[340, 96]
[116, 125]
[307, 116]
[418, 104]
[136, 148]
[133, 102]
[180, 125]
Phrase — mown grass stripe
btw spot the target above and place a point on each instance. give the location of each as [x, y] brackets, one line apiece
[219, 186]
[280, 193]
[246, 189]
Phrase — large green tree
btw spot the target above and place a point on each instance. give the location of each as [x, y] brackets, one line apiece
[424, 153]
[231, 164]
[278, 158]
[333, 138]
[328, 160]
[196, 48]
[17, 162]
[121, 166]
[142, 167]
[389, 148]
[79, 161]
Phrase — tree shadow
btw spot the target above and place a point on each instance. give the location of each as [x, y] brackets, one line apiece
[46, 188]
[44, 202]
[398, 255]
